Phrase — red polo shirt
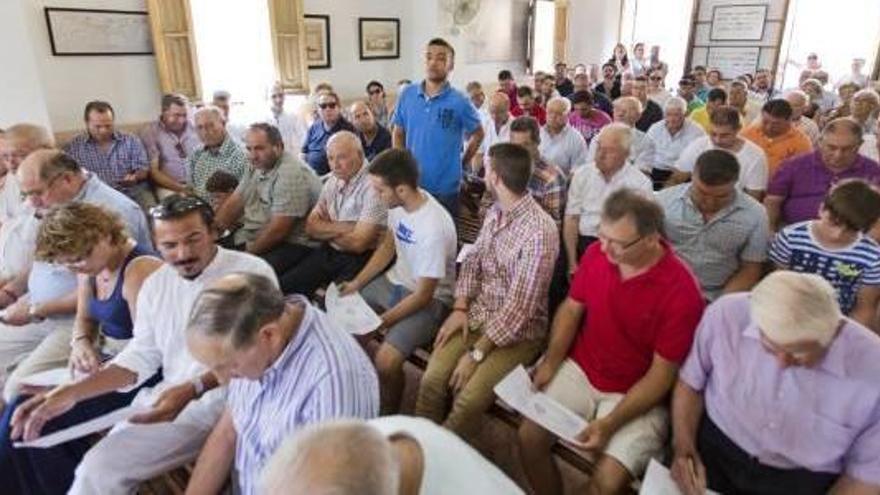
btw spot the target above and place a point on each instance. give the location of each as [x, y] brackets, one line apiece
[537, 112]
[627, 322]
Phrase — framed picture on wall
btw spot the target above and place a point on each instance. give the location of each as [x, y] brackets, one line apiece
[379, 37]
[77, 32]
[318, 41]
[738, 22]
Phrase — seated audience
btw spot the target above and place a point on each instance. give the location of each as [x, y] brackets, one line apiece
[496, 128]
[329, 122]
[600, 101]
[478, 98]
[715, 97]
[610, 360]
[414, 296]
[375, 138]
[507, 85]
[665, 141]
[561, 144]
[117, 158]
[864, 108]
[762, 86]
[656, 90]
[347, 220]
[836, 247]
[724, 136]
[548, 90]
[592, 184]
[840, 104]
[687, 91]
[184, 406]
[272, 202]
[527, 106]
[702, 86]
[799, 187]
[92, 242]
[714, 78]
[776, 135]
[738, 97]
[218, 152]
[547, 182]
[220, 187]
[378, 104]
[170, 141]
[563, 84]
[639, 64]
[499, 315]
[717, 229]
[292, 127]
[585, 118]
[392, 455]
[778, 395]
[287, 366]
[19, 141]
[609, 86]
[799, 102]
[626, 111]
[651, 111]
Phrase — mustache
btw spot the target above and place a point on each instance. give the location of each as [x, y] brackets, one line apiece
[187, 261]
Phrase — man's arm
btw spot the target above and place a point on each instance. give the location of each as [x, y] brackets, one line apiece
[161, 179]
[473, 144]
[272, 234]
[865, 309]
[377, 264]
[745, 278]
[758, 194]
[420, 298]
[687, 467]
[398, 137]
[361, 239]
[645, 394]
[230, 211]
[570, 232]
[215, 461]
[565, 327]
[321, 228]
[773, 204]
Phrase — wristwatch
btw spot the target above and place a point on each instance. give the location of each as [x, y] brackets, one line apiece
[198, 385]
[33, 315]
[477, 355]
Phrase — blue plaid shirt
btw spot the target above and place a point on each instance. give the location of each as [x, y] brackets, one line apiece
[126, 155]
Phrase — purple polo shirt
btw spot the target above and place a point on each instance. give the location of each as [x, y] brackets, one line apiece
[804, 180]
[825, 418]
[170, 149]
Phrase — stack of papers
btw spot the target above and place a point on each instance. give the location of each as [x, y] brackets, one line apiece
[658, 481]
[516, 390]
[95, 425]
[350, 312]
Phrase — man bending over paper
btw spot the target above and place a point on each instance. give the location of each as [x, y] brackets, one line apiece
[642, 306]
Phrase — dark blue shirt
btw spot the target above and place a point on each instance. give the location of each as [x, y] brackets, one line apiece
[315, 146]
[381, 142]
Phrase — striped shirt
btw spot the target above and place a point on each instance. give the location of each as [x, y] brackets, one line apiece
[202, 164]
[547, 186]
[322, 374]
[847, 269]
[125, 155]
[506, 276]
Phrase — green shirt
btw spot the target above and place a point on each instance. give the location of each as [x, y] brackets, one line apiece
[204, 162]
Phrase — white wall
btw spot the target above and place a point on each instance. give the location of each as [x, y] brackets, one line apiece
[21, 97]
[129, 82]
[592, 30]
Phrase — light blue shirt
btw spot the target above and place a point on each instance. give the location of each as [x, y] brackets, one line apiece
[322, 374]
[435, 127]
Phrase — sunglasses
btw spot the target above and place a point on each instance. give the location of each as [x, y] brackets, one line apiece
[181, 153]
[176, 206]
[375, 91]
[656, 78]
[324, 106]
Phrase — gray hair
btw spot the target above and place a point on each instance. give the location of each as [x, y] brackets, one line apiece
[619, 130]
[235, 307]
[630, 103]
[675, 103]
[346, 137]
[800, 94]
[209, 110]
[34, 136]
[560, 100]
[867, 93]
[844, 123]
[789, 307]
[347, 457]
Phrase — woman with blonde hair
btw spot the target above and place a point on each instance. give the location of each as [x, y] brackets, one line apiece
[111, 267]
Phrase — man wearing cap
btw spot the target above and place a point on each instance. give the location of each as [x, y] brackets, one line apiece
[789, 390]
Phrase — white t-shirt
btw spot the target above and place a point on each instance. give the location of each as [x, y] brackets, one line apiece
[450, 464]
[426, 243]
[751, 158]
[589, 190]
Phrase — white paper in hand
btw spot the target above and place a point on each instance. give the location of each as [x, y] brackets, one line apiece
[95, 425]
[658, 481]
[516, 390]
[350, 312]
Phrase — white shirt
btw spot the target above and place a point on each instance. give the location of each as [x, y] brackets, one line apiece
[450, 464]
[492, 135]
[636, 149]
[589, 189]
[808, 127]
[426, 243]
[292, 127]
[751, 158]
[567, 149]
[869, 147]
[11, 203]
[159, 341]
[661, 97]
[18, 240]
[662, 149]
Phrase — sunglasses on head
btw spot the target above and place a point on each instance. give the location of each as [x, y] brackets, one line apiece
[178, 205]
[324, 106]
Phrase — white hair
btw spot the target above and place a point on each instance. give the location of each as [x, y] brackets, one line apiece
[800, 93]
[346, 457]
[675, 103]
[622, 133]
[208, 110]
[867, 93]
[561, 99]
[790, 307]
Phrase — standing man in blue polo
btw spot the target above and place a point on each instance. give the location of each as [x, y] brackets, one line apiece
[432, 119]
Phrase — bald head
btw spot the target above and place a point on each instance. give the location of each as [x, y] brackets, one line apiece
[362, 117]
[210, 125]
[798, 101]
[499, 107]
[24, 139]
[345, 155]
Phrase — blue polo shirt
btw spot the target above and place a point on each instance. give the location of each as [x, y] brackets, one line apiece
[435, 128]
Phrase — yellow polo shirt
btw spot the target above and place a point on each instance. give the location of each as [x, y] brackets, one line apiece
[780, 148]
[700, 116]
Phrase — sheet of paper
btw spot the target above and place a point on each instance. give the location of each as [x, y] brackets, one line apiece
[350, 312]
[95, 425]
[465, 250]
[658, 481]
[49, 378]
[516, 390]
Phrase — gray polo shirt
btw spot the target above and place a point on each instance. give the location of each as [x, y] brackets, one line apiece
[290, 189]
[715, 249]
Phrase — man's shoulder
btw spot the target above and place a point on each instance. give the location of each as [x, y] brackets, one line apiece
[237, 261]
[666, 197]
[76, 142]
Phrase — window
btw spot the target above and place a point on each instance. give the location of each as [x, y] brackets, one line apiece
[544, 35]
[666, 24]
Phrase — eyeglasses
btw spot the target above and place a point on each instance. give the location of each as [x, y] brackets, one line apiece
[178, 205]
[324, 106]
[656, 78]
[621, 245]
[375, 91]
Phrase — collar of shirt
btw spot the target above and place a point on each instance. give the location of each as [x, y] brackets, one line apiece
[343, 187]
[518, 209]
[736, 204]
[116, 136]
[223, 149]
[443, 90]
[87, 184]
[832, 361]
[163, 128]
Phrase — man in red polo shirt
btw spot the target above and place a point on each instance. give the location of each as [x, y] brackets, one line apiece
[615, 347]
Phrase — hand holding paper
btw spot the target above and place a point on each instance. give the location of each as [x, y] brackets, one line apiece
[77, 431]
[658, 481]
[350, 312]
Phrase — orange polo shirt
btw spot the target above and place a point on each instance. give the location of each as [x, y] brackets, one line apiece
[780, 148]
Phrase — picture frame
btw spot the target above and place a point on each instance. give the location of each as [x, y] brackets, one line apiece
[317, 41]
[738, 22]
[379, 38]
[98, 32]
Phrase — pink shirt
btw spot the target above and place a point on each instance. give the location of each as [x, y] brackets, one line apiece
[591, 126]
[825, 418]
